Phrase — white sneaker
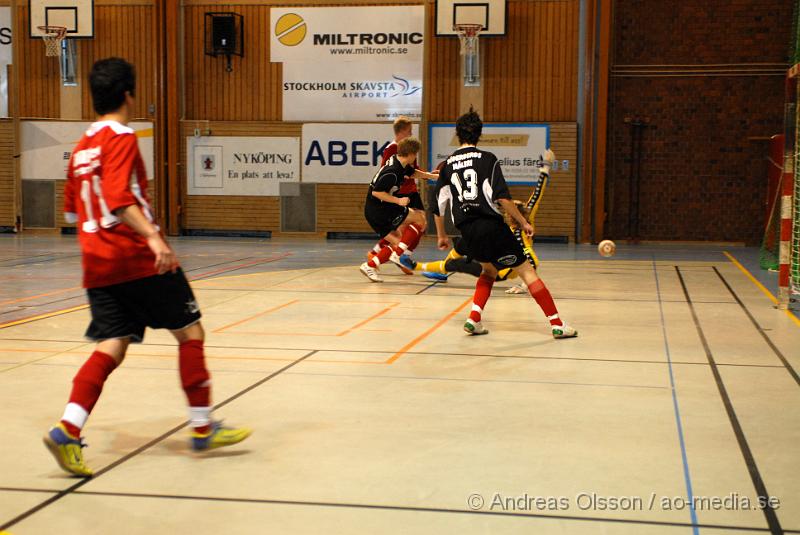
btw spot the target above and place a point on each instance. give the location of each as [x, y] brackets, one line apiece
[475, 328]
[370, 272]
[517, 289]
[563, 331]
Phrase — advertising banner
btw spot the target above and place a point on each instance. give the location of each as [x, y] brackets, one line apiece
[349, 63]
[518, 147]
[253, 166]
[46, 147]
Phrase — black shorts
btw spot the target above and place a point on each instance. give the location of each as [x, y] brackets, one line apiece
[490, 240]
[385, 217]
[124, 310]
[416, 200]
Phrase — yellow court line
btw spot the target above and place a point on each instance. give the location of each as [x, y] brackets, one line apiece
[760, 286]
[43, 316]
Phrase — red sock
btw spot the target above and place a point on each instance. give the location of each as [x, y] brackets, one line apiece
[195, 379]
[381, 258]
[409, 240]
[86, 388]
[380, 245]
[539, 292]
[483, 289]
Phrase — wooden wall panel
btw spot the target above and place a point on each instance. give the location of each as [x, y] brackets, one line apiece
[225, 212]
[556, 215]
[531, 74]
[340, 207]
[252, 91]
[7, 185]
[127, 31]
[442, 74]
[39, 76]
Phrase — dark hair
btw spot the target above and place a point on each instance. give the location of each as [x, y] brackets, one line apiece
[469, 127]
[409, 145]
[109, 80]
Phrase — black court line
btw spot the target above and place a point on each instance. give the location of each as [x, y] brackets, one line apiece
[769, 513]
[413, 509]
[423, 353]
[19, 489]
[74, 487]
[761, 331]
[428, 287]
[467, 290]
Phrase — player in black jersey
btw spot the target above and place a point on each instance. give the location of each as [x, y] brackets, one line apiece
[472, 182]
[389, 215]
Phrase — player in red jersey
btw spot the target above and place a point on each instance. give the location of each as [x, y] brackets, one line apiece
[403, 129]
[130, 273]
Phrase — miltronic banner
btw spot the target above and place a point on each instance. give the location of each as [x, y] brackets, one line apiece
[349, 63]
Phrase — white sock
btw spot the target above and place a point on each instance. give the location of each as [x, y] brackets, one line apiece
[199, 416]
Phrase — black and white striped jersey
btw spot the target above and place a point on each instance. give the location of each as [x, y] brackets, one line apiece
[472, 182]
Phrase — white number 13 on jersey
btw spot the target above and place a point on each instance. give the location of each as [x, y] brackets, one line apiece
[471, 179]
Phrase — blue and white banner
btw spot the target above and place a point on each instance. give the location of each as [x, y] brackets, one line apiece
[350, 63]
[518, 147]
[5, 57]
[351, 92]
[344, 153]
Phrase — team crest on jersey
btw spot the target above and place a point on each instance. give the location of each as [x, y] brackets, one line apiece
[507, 260]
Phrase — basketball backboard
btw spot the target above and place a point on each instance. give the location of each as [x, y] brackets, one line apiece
[490, 14]
[77, 16]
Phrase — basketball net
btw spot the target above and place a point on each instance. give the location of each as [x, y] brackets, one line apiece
[53, 36]
[468, 37]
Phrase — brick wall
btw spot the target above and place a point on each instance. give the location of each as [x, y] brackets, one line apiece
[703, 176]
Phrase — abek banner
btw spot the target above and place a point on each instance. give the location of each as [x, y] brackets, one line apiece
[344, 153]
[349, 63]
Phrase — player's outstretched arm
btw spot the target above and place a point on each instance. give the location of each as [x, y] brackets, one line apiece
[132, 216]
[423, 174]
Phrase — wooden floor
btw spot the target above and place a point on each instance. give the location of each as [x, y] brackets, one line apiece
[374, 413]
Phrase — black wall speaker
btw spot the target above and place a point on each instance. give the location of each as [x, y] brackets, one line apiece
[223, 35]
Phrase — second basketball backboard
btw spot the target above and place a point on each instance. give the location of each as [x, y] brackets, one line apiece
[490, 14]
[77, 16]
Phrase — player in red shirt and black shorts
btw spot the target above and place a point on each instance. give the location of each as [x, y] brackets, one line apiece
[403, 129]
[131, 275]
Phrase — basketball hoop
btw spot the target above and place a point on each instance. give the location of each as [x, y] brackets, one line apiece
[468, 36]
[53, 36]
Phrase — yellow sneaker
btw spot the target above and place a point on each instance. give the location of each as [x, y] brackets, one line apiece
[67, 450]
[219, 437]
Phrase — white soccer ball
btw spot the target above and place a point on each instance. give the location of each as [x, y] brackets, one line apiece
[606, 248]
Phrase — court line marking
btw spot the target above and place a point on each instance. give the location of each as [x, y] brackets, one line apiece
[42, 316]
[467, 380]
[352, 350]
[763, 334]
[305, 333]
[34, 361]
[32, 297]
[403, 350]
[687, 478]
[744, 447]
[74, 487]
[254, 316]
[414, 509]
[760, 286]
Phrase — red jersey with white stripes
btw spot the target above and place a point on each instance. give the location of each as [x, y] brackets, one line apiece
[106, 172]
[409, 184]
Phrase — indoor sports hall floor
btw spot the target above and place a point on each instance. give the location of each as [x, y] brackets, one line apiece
[374, 413]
